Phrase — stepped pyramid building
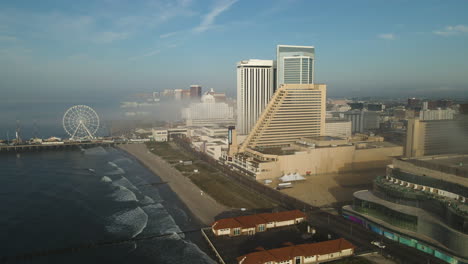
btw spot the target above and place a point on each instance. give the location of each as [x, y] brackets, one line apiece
[295, 111]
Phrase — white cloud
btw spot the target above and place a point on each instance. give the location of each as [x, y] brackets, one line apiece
[148, 54]
[209, 19]
[109, 36]
[167, 35]
[452, 30]
[387, 36]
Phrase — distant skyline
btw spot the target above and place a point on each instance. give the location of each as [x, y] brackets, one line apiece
[76, 50]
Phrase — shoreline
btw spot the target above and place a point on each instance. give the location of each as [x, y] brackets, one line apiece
[201, 205]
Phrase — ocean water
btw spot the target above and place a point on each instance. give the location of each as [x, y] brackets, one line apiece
[70, 198]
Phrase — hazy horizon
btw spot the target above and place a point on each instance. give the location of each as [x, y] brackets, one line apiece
[55, 51]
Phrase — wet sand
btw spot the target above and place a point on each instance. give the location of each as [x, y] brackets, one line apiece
[199, 203]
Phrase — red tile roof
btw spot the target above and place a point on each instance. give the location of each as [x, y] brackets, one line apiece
[283, 216]
[226, 223]
[250, 221]
[288, 253]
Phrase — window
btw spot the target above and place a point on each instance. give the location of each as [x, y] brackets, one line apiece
[261, 228]
[236, 231]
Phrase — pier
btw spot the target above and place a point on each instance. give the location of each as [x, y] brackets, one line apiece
[65, 145]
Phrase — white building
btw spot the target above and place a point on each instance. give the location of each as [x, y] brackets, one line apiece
[178, 94]
[215, 131]
[160, 134]
[208, 112]
[295, 64]
[336, 127]
[255, 87]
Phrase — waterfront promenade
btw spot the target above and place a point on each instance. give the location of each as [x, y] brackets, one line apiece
[67, 145]
[204, 207]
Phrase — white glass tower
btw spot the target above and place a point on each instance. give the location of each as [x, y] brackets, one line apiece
[295, 64]
[255, 87]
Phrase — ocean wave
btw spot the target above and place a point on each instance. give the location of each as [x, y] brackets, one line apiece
[106, 179]
[130, 222]
[123, 181]
[117, 171]
[122, 194]
[147, 200]
[192, 251]
[122, 160]
[95, 151]
[161, 221]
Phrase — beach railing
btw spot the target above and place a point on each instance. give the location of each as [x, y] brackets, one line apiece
[211, 244]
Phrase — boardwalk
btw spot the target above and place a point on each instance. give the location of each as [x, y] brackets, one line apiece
[59, 146]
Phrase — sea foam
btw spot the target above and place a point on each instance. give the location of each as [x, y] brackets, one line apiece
[106, 179]
[122, 194]
[161, 221]
[128, 223]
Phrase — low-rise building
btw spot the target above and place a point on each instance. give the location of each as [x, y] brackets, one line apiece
[304, 253]
[160, 134]
[337, 127]
[251, 224]
[435, 137]
[420, 202]
[317, 155]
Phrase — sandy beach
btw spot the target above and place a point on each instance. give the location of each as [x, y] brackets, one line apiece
[200, 204]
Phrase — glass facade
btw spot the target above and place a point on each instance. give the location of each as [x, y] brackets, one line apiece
[295, 65]
[408, 241]
[386, 214]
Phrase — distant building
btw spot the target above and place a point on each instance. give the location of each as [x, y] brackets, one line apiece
[357, 120]
[185, 94]
[362, 120]
[438, 114]
[337, 127]
[356, 106]
[421, 203]
[295, 64]
[464, 109]
[178, 94]
[255, 87]
[160, 134]
[208, 112]
[305, 253]
[435, 137]
[375, 107]
[414, 103]
[168, 93]
[195, 91]
[251, 224]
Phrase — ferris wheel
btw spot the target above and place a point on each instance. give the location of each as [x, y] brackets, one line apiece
[81, 122]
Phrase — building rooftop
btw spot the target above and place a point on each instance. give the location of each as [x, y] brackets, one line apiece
[444, 162]
[249, 221]
[290, 252]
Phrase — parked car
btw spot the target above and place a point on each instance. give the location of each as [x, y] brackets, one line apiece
[378, 244]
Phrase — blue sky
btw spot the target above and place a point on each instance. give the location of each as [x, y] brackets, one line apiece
[51, 50]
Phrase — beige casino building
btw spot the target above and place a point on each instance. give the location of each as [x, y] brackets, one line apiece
[289, 138]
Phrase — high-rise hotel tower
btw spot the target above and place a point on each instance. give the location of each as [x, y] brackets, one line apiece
[295, 64]
[296, 111]
[255, 87]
